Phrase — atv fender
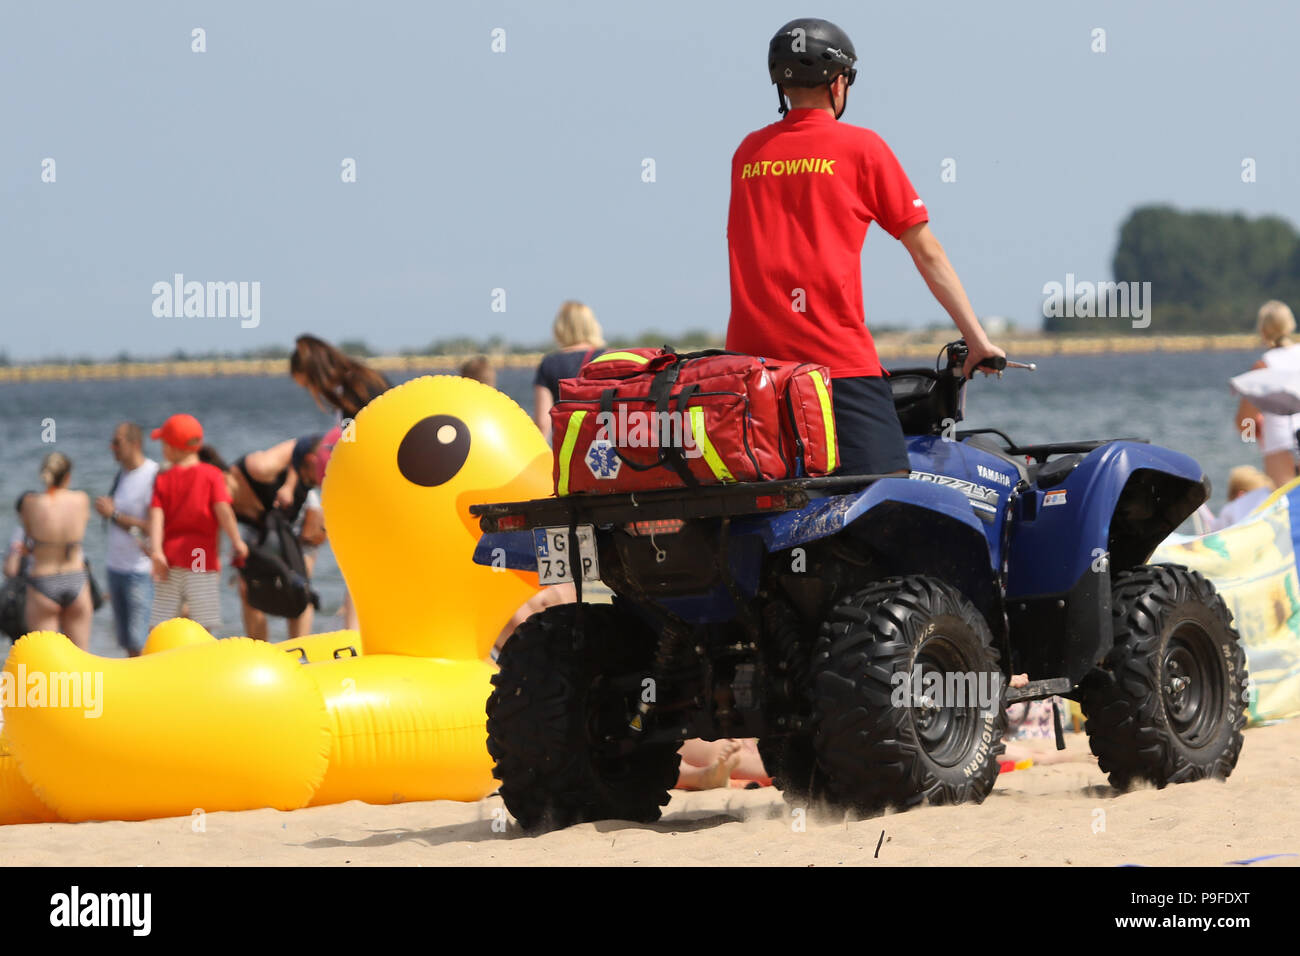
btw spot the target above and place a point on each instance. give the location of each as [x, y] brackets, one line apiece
[912, 527]
[1112, 510]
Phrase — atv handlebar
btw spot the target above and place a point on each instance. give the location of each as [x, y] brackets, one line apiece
[959, 351]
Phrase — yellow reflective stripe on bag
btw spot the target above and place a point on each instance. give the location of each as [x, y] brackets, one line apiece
[828, 416]
[566, 450]
[620, 356]
[711, 456]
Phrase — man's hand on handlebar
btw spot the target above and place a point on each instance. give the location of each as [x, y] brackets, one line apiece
[992, 357]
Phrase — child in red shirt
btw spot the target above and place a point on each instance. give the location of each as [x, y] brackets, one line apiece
[190, 502]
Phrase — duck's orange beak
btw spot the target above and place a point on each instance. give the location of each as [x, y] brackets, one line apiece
[533, 481]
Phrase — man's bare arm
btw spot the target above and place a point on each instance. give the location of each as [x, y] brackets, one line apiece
[932, 262]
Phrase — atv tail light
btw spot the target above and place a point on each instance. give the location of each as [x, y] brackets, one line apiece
[644, 529]
[769, 502]
[511, 522]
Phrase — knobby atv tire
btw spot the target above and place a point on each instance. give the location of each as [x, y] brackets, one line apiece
[550, 699]
[1168, 704]
[789, 760]
[875, 754]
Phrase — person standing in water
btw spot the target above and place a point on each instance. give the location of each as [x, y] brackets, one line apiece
[58, 585]
[190, 504]
[126, 509]
[1276, 433]
[257, 483]
[580, 339]
[334, 380]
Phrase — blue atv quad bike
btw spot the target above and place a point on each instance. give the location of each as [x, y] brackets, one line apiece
[865, 628]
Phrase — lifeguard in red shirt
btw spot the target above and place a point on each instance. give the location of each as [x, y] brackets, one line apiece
[803, 192]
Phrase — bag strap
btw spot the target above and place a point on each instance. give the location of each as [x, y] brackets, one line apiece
[607, 407]
[661, 386]
[661, 394]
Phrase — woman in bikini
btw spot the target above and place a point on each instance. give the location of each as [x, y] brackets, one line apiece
[282, 477]
[54, 522]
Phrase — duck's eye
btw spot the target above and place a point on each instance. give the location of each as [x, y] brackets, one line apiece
[433, 450]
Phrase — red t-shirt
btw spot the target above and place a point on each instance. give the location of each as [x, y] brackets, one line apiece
[187, 496]
[803, 192]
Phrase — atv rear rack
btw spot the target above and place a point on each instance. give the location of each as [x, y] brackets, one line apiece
[712, 501]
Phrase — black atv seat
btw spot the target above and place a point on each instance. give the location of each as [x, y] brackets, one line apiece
[1057, 470]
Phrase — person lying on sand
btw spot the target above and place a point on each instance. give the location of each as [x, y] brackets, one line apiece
[711, 764]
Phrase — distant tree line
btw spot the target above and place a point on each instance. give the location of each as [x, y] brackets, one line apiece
[496, 345]
[358, 348]
[1209, 272]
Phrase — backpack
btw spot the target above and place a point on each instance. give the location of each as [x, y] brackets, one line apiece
[13, 606]
[274, 572]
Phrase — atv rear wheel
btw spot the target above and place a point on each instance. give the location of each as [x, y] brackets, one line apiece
[878, 744]
[1168, 704]
[554, 707]
[789, 760]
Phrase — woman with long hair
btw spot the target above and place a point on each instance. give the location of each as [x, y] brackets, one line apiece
[58, 585]
[347, 385]
[332, 378]
[580, 339]
[1276, 433]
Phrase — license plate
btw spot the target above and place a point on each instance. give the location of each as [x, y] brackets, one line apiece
[554, 563]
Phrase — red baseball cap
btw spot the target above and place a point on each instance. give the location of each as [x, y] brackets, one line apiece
[180, 431]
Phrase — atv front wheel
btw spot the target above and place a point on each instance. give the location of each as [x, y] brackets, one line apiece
[554, 710]
[1168, 704]
[879, 742]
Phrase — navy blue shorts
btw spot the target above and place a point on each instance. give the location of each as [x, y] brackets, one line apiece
[870, 438]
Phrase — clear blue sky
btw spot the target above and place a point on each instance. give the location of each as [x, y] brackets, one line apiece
[522, 170]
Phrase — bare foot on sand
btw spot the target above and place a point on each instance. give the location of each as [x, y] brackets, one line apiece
[716, 774]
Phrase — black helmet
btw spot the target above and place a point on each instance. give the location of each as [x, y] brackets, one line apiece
[809, 52]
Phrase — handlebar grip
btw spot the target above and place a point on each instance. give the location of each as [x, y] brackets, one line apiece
[995, 362]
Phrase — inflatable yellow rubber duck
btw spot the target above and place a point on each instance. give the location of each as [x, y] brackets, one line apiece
[236, 724]
[414, 457]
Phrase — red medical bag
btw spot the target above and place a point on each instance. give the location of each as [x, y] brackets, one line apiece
[646, 419]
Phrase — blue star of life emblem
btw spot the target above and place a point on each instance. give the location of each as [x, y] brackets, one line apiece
[603, 460]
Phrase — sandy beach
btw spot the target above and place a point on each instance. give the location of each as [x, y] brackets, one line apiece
[1059, 814]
